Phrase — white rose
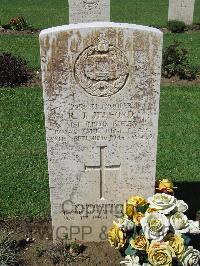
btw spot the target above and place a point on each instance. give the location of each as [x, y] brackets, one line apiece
[162, 202]
[155, 226]
[131, 261]
[191, 257]
[194, 227]
[180, 223]
[125, 224]
[181, 206]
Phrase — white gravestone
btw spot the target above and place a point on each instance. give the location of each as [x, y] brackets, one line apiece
[181, 10]
[88, 10]
[101, 94]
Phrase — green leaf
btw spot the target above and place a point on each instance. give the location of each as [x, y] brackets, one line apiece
[143, 209]
[130, 251]
[187, 239]
[133, 235]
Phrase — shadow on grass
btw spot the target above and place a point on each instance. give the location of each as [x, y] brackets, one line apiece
[190, 193]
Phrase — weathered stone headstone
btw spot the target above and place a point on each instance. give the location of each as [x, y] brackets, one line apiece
[181, 10]
[89, 10]
[101, 95]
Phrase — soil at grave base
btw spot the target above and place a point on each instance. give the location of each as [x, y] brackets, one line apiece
[19, 33]
[180, 82]
[192, 29]
[39, 232]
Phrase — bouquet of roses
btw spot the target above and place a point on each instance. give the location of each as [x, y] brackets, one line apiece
[154, 231]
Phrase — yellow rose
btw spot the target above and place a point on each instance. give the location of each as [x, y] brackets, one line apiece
[129, 210]
[137, 201]
[140, 243]
[116, 237]
[137, 217]
[160, 254]
[177, 243]
[165, 185]
[151, 210]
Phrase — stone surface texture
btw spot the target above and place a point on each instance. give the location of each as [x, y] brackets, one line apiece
[89, 10]
[101, 86]
[181, 10]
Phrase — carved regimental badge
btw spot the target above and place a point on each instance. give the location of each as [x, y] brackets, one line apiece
[101, 69]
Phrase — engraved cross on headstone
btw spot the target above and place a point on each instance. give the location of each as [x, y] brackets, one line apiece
[102, 168]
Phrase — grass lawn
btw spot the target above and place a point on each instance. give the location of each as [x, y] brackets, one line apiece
[44, 14]
[23, 175]
[24, 46]
[28, 46]
[179, 131]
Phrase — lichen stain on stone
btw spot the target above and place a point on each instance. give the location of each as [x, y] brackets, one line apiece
[45, 43]
[140, 40]
[44, 47]
[114, 36]
[147, 44]
[53, 118]
[111, 35]
[75, 41]
[128, 45]
[92, 38]
[56, 67]
[120, 39]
